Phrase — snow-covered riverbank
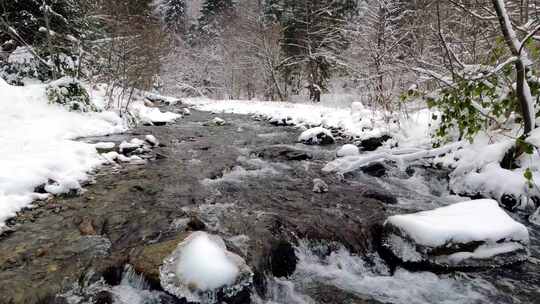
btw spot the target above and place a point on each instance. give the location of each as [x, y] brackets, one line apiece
[38, 144]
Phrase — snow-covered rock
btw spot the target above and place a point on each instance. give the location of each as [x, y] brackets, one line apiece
[104, 147]
[319, 186]
[474, 233]
[202, 270]
[316, 136]
[129, 147]
[186, 111]
[218, 121]
[348, 150]
[156, 98]
[153, 116]
[152, 140]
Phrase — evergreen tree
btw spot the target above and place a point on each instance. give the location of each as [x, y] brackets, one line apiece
[212, 12]
[52, 28]
[172, 13]
[313, 38]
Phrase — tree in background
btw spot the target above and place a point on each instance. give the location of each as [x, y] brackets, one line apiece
[172, 14]
[52, 30]
[213, 12]
[313, 39]
[379, 48]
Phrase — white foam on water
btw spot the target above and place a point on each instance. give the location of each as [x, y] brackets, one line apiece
[352, 274]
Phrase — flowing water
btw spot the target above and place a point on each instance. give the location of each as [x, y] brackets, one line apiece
[219, 175]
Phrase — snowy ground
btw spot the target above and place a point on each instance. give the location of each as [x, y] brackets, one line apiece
[37, 144]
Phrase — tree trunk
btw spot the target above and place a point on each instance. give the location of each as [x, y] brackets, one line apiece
[523, 90]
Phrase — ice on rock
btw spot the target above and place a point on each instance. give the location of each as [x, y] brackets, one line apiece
[468, 234]
[316, 136]
[201, 267]
[348, 150]
[186, 111]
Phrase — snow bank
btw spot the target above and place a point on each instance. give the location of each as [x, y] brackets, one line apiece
[456, 234]
[37, 144]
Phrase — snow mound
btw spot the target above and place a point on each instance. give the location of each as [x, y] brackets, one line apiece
[201, 267]
[348, 150]
[462, 234]
[316, 136]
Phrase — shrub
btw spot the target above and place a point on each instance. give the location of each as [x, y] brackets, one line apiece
[71, 94]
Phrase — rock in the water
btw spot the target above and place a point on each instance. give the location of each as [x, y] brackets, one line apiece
[186, 111]
[283, 259]
[152, 140]
[371, 144]
[148, 259]
[282, 152]
[131, 146]
[316, 136]
[509, 201]
[156, 98]
[469, 234]
[374, 169]
[282, 121]
[381, 195]
[86, 227]
[217, 121]
[104, 147]
[535, 217]
[159, 123]
[348, 150]
[319, 186]
[202, 270]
